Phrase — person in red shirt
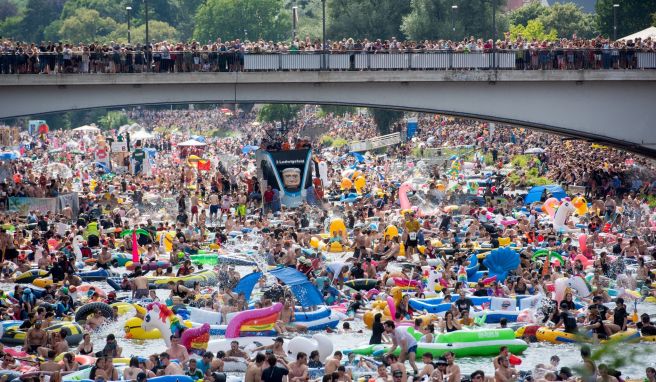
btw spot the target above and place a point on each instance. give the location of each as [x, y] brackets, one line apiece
[268, 198]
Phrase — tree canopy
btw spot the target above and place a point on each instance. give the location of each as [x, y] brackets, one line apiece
[632, 16]
[567, 19]
[362, 18]
[61, 20]
[252, 19]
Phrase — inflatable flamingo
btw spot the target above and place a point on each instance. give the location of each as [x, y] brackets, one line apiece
[403, 196]
[583, 242]
[549, 207]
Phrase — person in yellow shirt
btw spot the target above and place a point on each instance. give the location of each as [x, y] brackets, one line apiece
[410, 234]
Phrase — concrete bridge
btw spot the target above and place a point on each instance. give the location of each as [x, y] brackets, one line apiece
[615, 107]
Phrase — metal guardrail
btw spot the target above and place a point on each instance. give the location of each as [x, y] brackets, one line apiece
[200, 61]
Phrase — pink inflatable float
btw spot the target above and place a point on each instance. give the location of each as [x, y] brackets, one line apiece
[255, 317]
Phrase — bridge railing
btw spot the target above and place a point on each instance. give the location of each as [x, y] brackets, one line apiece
[201, 61]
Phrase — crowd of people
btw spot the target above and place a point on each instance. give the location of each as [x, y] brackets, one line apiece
[18, 57]
[202, 207]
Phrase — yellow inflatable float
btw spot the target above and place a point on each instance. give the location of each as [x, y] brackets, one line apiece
[134, 330]
[556, 336]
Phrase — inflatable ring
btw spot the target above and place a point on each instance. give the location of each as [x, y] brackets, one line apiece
[85, 310]
[362, 284]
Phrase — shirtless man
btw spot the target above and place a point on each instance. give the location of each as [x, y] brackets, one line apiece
[104, 259]
[276, 347]
[94, 321]
[504, 372]
[452, 370]
[170, 368]
[397, 367]
[139, 284]
[428, 368]
[35, 338]
[286, 321]
[333, 363]
[44, 261]
[177, 351]
[58, 344]
[298, 370]
[254, 371]
[50, 364]
[235, 353]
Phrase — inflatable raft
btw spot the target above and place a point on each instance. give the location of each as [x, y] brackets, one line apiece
[463, 343]
[13, 336]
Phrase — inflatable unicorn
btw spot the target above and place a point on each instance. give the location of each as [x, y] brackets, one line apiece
[159, 316]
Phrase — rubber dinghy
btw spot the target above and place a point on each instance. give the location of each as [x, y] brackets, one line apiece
[464, 343]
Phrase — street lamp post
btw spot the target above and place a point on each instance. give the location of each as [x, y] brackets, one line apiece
[129, 9]
[615, 6]
[323, 36]
[494, 34]
[454, 8]
[146, 12]
[294, 19]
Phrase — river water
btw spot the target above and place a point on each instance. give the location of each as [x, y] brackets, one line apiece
[634, 357]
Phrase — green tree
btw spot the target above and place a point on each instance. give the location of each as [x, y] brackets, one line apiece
[157, 30]
[86, 25]
[632, 16]
[362, 18]
[282, 113]
[7, 9]
[338, 110]
[533, 30]
[185, 17]
[12, 27]
[228, 19]
[653, 19]
[38, 15]
[530, 11]
[568, 19]
[432, 19]
[385, 119]
[114, 8]
[113, 120]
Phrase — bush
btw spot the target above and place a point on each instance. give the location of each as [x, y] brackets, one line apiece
[339, 142]
[520, 161]
[327, 140]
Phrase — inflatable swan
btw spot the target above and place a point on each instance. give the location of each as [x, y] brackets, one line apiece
[565, 209]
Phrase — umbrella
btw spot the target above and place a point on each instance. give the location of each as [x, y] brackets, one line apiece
[198, 138]
[191, 142]
[59, 169]
[534, 150]
[9, 155]
[141, 134]
[248, 148]
[87, 128]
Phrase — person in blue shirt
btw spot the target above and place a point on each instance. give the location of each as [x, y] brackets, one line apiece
[204, 363]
